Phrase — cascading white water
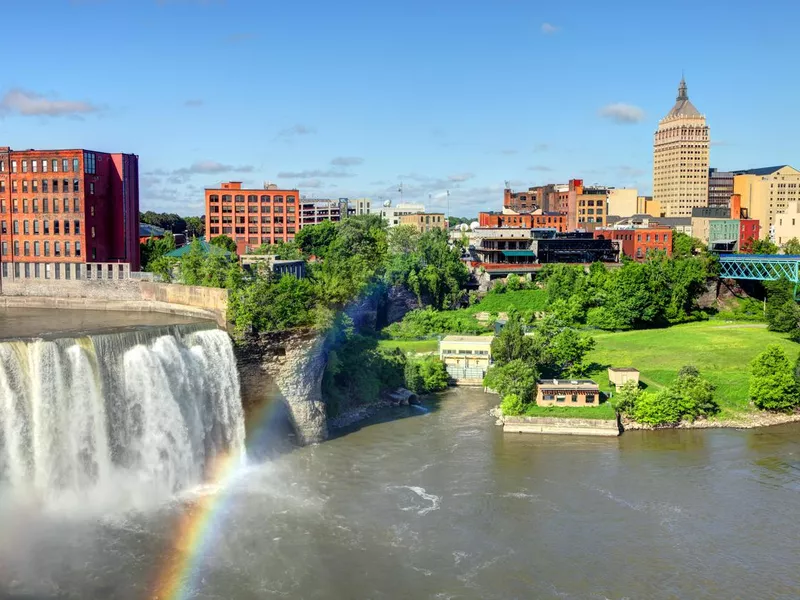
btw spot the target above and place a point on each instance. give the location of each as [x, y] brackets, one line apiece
[118, 415]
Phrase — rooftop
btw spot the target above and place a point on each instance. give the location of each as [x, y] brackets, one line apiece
[474, 339]
[623, 369]
[761, 171]
[204, 245]
[568, 384]
[683, 106]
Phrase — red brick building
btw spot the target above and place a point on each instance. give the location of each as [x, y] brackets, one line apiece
[635, 242]
[67, 206]
[749, 230]
[525, 220]
[252, 216]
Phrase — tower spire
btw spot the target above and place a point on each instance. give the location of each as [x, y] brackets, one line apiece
[683, 93]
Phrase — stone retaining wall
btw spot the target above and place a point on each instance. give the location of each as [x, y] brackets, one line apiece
[556, 425]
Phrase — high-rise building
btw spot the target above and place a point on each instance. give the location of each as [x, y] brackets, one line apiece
[766, 192]
[251, 216]
[680, 158]
[61, 209]
[720, 188]
[314, 212]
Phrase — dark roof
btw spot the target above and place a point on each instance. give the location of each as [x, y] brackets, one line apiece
[711, 212]
[673, 221]
[683, 106]
[761, 171]
[146, 230]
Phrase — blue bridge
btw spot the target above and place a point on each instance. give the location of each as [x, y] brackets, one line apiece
[761, 267]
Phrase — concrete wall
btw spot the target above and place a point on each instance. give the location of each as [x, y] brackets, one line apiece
[118, 294]
[555, 425]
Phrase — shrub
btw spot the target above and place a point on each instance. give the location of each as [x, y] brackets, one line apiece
[512, 405]
[660, 408]
[516, 377]
[625, 399]
[772, 382]
[428, 322]
[426, 375]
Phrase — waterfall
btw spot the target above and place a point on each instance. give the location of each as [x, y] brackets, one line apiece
[136, 415]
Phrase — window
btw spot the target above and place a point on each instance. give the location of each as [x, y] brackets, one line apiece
[14, 186]
[3, 228]
[25, 186]
[24, 205]
[66, 205]
[16, 248]
[55, 186]
[66, 227]
[26, 227]
[35, 186]
[226, 197]
[36, 228]
[77, 248]
[265, 198]
[66, 249]
[77, 227]
[93, 252]
[5, 249]
[36, 272]
[64, 165]
[16, 227]
[239, 198]
[35, 166]
[36, 248]
[561, 398]
[89, 163]
[56, 227]
[13, 166]
[45, 186]
[45, 205]
[213, 198]
[46, 227]
[2, 166]
[47, 248]
[2, 186]
[574, 397]
[24, 166]
[56, 248]
[64, 185]
[76, 186]
[589, 398]
[44, 166]
[74, 165]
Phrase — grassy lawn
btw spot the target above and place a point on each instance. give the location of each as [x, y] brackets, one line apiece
[410, 345]
[603, 411]
[521, 300]
[721, 351]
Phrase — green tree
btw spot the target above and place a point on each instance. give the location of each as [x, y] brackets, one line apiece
[403, 239]
[566, 352]
[781, 309]
[195, 227]
[154, 248]
[772, 383]
[626, 396]
[512, 343]
[792, 247]
[225, 242]
[281, 250]
[696, 394]
[514, 283]
[264, 305]
[314, 240]
[685, 246]
[763, 247]
[516, 377]
[169, 221]
[659, 408]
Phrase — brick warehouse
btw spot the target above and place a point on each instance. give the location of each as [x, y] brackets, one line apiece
[251, 216]
[67, 206]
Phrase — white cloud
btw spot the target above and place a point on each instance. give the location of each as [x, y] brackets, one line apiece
[296, 130]
[622, 113]
[211, 166]
[460, 177]
[347, 161]
[550, 29]
[31, 104]
[313, 174]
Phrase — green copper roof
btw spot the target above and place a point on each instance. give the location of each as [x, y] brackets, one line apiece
[207, 248]
[518, 253]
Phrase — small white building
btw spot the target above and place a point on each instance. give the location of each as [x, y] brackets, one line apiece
[467, 357]
[391, 214]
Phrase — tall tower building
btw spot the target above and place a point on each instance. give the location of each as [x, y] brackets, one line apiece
[680, 158]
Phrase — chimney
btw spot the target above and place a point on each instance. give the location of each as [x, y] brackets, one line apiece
[736, 206]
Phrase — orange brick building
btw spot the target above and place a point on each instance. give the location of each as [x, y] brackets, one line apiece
[525, 220]
[636, 242]
[67, 206]
[252, 216]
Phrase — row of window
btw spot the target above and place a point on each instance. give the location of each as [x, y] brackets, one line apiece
[253, 220]
[35, 270]
[563, 398]
[34, 225]
[252, 230]
[32, 186]
[45, 163]
[37, 246]
[250, 198]
[252, 209]
[34, 205]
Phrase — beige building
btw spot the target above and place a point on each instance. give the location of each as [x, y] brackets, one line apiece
[645, 205]
[767, 192]
[565, 392]
[787, 223]
[424, 221]
[623, 202]
[467, 357]
[680, 158]
[619, 376]
[362, 206]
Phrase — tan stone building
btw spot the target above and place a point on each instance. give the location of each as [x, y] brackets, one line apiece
[767, 192]
[680, 158]
[623, 202]
[565, 392]
[425, 221]
[466, 357]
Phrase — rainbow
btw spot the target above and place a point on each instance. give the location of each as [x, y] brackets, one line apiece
[200, 523]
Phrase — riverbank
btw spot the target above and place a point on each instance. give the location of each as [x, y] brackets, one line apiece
[743, 421]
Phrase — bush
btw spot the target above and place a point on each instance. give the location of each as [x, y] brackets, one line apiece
[660, 408]
[772, 383]
[426, 375]
[512, 406]
[689, 397]
[428, 322]
[516, 377]
[625, 399]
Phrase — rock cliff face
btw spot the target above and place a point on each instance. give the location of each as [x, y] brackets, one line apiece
[286, 367]
[399, 301]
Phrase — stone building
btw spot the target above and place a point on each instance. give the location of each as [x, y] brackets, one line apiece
[680, 158]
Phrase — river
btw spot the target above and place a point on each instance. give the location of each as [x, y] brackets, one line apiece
[442, 504]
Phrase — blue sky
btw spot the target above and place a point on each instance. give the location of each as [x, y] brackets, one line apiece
[349, 98]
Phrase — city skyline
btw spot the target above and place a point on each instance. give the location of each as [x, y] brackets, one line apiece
[353, 100]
